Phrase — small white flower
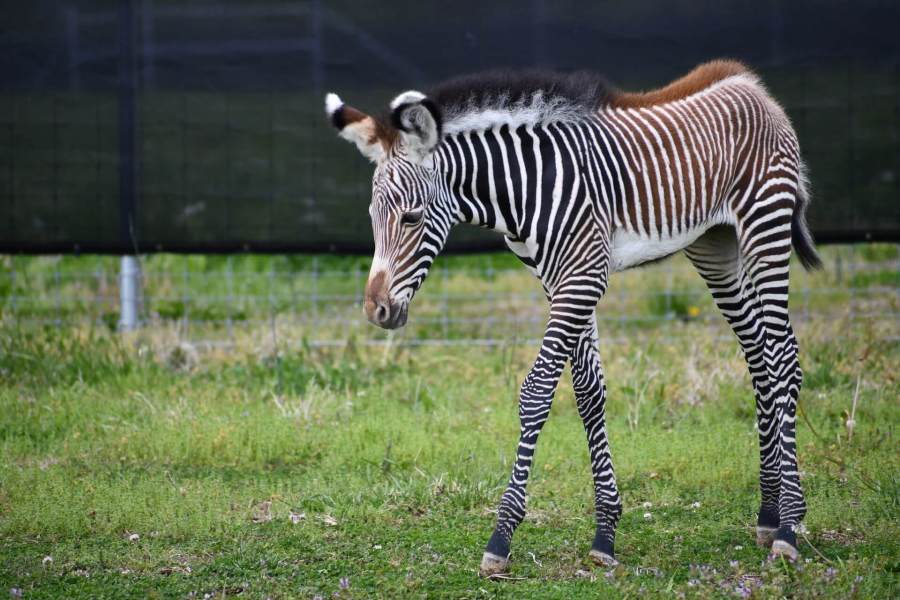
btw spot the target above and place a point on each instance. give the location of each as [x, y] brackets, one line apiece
[297, 517]
[648, 505]
[738, 547]
[695, 505]
[377, 546]
[48, 560]
[647, 516]
[134, 537]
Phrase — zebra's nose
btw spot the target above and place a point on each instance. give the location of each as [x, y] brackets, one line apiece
[382, 312]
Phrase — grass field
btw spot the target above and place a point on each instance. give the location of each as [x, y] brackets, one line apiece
[360, 471]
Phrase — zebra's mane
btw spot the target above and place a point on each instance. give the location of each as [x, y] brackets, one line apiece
[518, 97]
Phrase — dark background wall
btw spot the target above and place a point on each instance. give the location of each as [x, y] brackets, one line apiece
[198, 126]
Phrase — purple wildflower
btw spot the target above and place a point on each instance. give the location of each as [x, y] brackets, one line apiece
[733, 564]
[344, 583]
[830, 572]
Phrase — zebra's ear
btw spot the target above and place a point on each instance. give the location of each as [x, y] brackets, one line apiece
[418, 119]
[358, 127]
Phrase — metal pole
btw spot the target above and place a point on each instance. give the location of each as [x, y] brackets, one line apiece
[130, 293]
[130, 270]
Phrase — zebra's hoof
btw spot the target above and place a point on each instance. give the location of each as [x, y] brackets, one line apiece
[602, 559]
[783, 549]
[491, 565]
[765, 536]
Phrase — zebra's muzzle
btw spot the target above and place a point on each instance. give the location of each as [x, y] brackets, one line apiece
[386, 314]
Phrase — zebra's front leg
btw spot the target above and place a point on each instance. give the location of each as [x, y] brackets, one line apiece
[535, 397]
[590, 397]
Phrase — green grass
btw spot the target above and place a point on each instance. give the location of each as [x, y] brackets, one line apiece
[392, 461]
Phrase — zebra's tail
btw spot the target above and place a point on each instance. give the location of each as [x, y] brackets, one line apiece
[801, 238]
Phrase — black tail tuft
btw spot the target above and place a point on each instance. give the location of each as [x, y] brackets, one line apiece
[803, 243]
[801, 238]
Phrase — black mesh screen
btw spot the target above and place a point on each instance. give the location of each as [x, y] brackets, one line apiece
[198, 126]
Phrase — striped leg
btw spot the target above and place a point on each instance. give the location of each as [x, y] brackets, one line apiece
[715, 256]
[767, 267]
[590, 397]
[570, 315]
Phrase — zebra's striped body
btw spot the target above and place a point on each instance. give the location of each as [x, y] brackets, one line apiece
[582, 182]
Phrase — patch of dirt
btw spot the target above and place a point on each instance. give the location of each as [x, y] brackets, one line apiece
[844, 537]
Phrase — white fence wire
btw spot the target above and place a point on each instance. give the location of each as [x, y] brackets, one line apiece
[468, 302]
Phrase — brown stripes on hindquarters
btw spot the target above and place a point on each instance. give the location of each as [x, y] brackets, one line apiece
[689, 160]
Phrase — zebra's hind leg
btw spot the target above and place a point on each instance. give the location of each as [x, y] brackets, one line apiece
[765, 248]
[590, 397]
[715, 256]
[768, 272]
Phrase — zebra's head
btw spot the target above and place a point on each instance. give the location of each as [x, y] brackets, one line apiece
[409, 213]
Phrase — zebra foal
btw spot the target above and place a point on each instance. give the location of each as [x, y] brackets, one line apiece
[583, 180]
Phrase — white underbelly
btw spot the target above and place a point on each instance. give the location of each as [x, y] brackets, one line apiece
[630, 249]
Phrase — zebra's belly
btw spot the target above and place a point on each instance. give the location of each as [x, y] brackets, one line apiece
[629, 249]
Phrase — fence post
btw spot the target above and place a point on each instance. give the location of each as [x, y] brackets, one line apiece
[130, 270]
[130, 293]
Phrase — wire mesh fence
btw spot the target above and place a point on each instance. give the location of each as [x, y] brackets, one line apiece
[474, 300]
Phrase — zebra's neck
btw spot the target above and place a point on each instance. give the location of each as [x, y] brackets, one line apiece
[492, 175]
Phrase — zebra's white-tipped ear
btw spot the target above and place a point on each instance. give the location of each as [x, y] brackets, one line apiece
[358, 127]
[418, 119]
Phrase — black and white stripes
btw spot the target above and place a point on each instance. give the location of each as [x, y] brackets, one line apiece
[583, 180]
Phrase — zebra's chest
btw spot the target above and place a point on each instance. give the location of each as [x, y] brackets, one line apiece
[629, 249]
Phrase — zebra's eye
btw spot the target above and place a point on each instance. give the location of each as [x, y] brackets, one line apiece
[412, 217]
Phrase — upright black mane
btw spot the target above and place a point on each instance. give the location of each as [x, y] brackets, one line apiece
[508, 88]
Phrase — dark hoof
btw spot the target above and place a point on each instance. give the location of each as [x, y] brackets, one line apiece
[491, 565]
[765, 536]
[783, 549]
[602, 559]
[785, 544]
